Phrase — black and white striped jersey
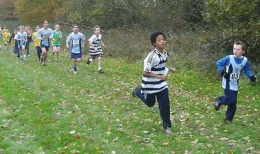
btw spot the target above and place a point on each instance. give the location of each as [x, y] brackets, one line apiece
[155, 62]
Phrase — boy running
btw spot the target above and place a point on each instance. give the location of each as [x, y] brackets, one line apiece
[95, 49]
[154, 85]
[229, 67]
[75, 42]
[56, 41]
[7, 36]
[21, 38]
[37, 43]
[44, 35]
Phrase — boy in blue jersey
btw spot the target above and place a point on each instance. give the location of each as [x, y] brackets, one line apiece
[229, 67]
[75, 42]
[21, 39]
[154, 78]
[45, 36]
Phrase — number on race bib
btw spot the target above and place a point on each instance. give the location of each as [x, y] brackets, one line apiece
[234, 76]
[75, 41]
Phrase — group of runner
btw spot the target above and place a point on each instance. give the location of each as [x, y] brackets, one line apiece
[44, 38]
[154, 84]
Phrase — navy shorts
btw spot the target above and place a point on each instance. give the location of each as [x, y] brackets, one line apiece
[75, 55]
[46, 47]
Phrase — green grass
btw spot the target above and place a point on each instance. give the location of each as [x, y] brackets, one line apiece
[50, 110]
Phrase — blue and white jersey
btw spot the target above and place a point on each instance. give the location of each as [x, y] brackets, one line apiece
[96, 40]
[21, 38]
[155, 63]
[75, 41]
[45, 35]
[233, 65]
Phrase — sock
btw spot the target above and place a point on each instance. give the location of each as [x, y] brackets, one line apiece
[75, 68]
[99, 68]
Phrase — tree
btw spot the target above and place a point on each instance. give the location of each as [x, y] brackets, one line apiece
[35, 12]
[237, 20]
[7, 9]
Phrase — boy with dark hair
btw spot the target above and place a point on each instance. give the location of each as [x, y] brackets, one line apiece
[154, 85]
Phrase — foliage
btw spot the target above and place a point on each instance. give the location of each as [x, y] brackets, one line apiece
[35, 12]
[7, 9]
[163, 15]
[193, 10]
[236, 20]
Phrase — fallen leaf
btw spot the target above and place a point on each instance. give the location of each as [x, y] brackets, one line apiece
[115, 139]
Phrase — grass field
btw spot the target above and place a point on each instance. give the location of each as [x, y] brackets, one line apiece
[48, 109]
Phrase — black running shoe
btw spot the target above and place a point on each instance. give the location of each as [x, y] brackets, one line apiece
[88, 62]
[100, 71]
[135, 90]
[217, 104]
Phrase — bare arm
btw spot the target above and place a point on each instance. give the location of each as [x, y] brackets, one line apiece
[91, 44]
[83, 43]
[150, 74]
[103, 44]
[171, 69]
[67, 42]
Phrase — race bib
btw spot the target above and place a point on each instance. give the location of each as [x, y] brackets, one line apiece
[75, 41]
[234, 76]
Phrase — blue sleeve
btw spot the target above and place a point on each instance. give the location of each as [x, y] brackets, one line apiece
[222, 63]
[247, 70]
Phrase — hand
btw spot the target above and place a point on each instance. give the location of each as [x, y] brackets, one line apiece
[163, 77]
[68, 46]
[172, 69]
[225, 74]
[252, 78]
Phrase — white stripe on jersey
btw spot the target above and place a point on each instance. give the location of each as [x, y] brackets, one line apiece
[155, 62]
[236, 68]
[96, 42]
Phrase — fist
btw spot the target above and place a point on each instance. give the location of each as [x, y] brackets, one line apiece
[253, 78]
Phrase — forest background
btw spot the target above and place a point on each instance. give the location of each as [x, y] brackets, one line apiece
[196, 29]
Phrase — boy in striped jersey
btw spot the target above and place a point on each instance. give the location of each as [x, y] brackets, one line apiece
[95, 48]
[229, 67]
[154, 78]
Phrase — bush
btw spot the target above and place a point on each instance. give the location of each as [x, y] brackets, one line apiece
[236, 20]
